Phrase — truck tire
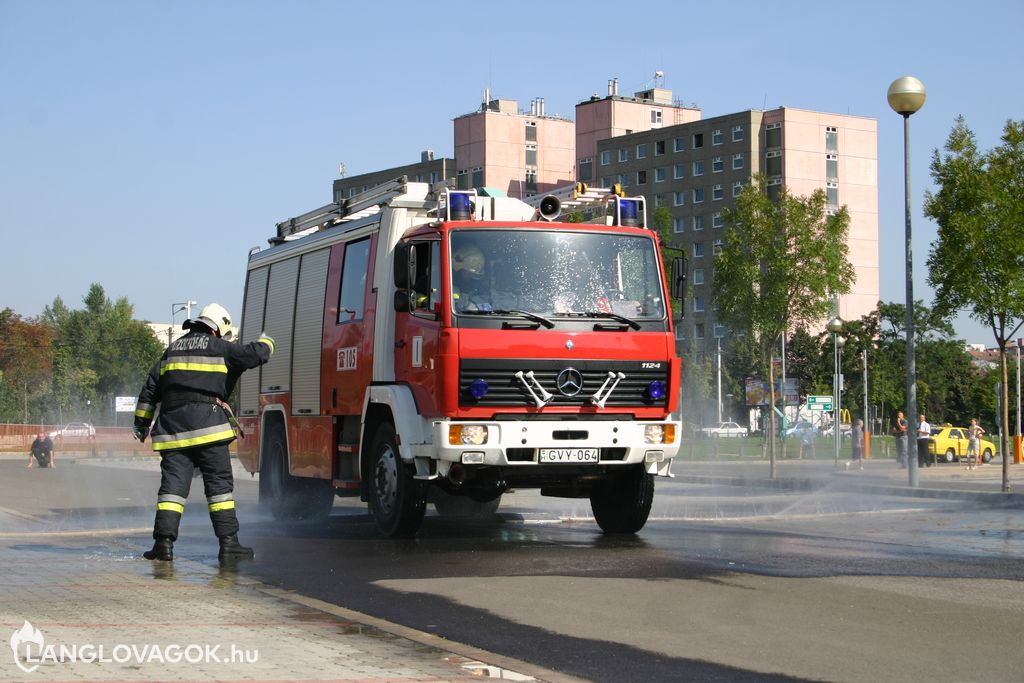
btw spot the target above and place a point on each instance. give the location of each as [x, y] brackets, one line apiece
[289, 498]
[397, 501]
[622, 504]
[451, 506]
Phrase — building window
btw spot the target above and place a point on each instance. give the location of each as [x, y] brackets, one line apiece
[698, 330]
[698, 250]
[606, 182]
[641, 151]
[737, 162]
[832, 191]
[716, 137]
[678, 198]
[622, 180]
[659, 200]
[698, 140]
[655, 117]
[659, 148]
[737, 133]
[717, 165]
[531, 154]
[737, 188]
[641, 177]
[435, 176]
[679, 171]
[463, 179]
[678, 145]
[623, 154]
[716, 220]
[831, 139]
[586, 169]
[831, 166]
[660, 174]
[774, 188]
[716, 247]
[531, 131]
[698, 222]
[606, 157]
[698, 168]
[698, 304]
[717, 193]
[773, 163]
[773, 135]
[531, 180]
[698, 276]
[678, 224]
[478, 177]
[698, 195]
[352, 190]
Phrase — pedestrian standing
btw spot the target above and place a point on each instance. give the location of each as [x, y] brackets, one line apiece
[924, 437]
[42, 450]
[974, 433]
[900, 431]
[191, 383]
[857, 445]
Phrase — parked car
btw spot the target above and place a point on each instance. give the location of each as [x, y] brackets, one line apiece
[74, 429]
[950, 444]
[844, 430]
[799, 428]
[724, 429]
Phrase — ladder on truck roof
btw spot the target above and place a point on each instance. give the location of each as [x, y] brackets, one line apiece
[359, 206]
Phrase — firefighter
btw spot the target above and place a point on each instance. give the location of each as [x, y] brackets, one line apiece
[468, 282]
[190, 383]
[42, 450]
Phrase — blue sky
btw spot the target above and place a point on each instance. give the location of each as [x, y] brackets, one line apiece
[148, 145]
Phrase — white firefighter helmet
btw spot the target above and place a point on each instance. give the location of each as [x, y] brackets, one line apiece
[217, 318]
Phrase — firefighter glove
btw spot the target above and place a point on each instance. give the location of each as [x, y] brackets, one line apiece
[140, 433]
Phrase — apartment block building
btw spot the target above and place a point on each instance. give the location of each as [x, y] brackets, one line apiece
[696, 170]
[520, 153]
[428, 170]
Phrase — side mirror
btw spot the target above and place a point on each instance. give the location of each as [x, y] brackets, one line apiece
[403, 304]
[405, 265]
[678, 284]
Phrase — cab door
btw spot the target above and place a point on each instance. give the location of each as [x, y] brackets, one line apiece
[349, 315]
[417, 328]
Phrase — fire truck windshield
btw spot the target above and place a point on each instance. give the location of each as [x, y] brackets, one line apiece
[556, 273]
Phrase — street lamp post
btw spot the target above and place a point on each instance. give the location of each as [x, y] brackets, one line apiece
[835, 326]
[178, 308]
[906, 95]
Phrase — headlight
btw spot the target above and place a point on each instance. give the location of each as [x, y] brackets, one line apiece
[659, 433]
[467, 435]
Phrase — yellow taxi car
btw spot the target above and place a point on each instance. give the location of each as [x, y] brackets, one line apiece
[950, 444]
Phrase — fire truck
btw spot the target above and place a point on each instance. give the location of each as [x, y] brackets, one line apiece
[447, 346]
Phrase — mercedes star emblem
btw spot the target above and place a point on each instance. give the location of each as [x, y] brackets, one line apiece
[569, 382]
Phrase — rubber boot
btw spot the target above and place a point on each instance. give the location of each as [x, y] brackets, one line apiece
[163, 549]
[230, 548]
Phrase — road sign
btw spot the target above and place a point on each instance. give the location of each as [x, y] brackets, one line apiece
[819, 403]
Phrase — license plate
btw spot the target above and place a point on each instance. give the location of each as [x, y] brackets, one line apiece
[568, 455]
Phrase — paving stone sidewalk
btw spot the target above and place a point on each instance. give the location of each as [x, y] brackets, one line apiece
[99, 613]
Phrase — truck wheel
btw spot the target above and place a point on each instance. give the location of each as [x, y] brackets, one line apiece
[621, 504]
[451, 506]
[279, 489]
[397, 501]
[987, 455]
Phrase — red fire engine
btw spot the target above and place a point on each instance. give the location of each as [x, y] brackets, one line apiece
[449, 345]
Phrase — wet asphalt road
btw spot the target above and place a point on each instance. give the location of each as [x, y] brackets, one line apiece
[723, 584]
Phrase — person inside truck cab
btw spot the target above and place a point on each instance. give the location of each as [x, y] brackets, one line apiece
[470, 291]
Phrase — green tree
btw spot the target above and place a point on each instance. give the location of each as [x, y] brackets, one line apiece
[977, 262]
[26, 367]
[783, 259]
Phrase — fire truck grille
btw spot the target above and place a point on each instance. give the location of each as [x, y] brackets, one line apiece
[503, 388]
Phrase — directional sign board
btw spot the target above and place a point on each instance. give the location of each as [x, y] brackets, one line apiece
[819, 403]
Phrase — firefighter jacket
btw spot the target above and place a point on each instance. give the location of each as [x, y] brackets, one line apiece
[190, 383]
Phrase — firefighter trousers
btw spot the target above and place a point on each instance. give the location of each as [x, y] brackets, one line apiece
[176, 469]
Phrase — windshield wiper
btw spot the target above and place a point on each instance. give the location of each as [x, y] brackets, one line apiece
[520, 314]
[614, 316]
